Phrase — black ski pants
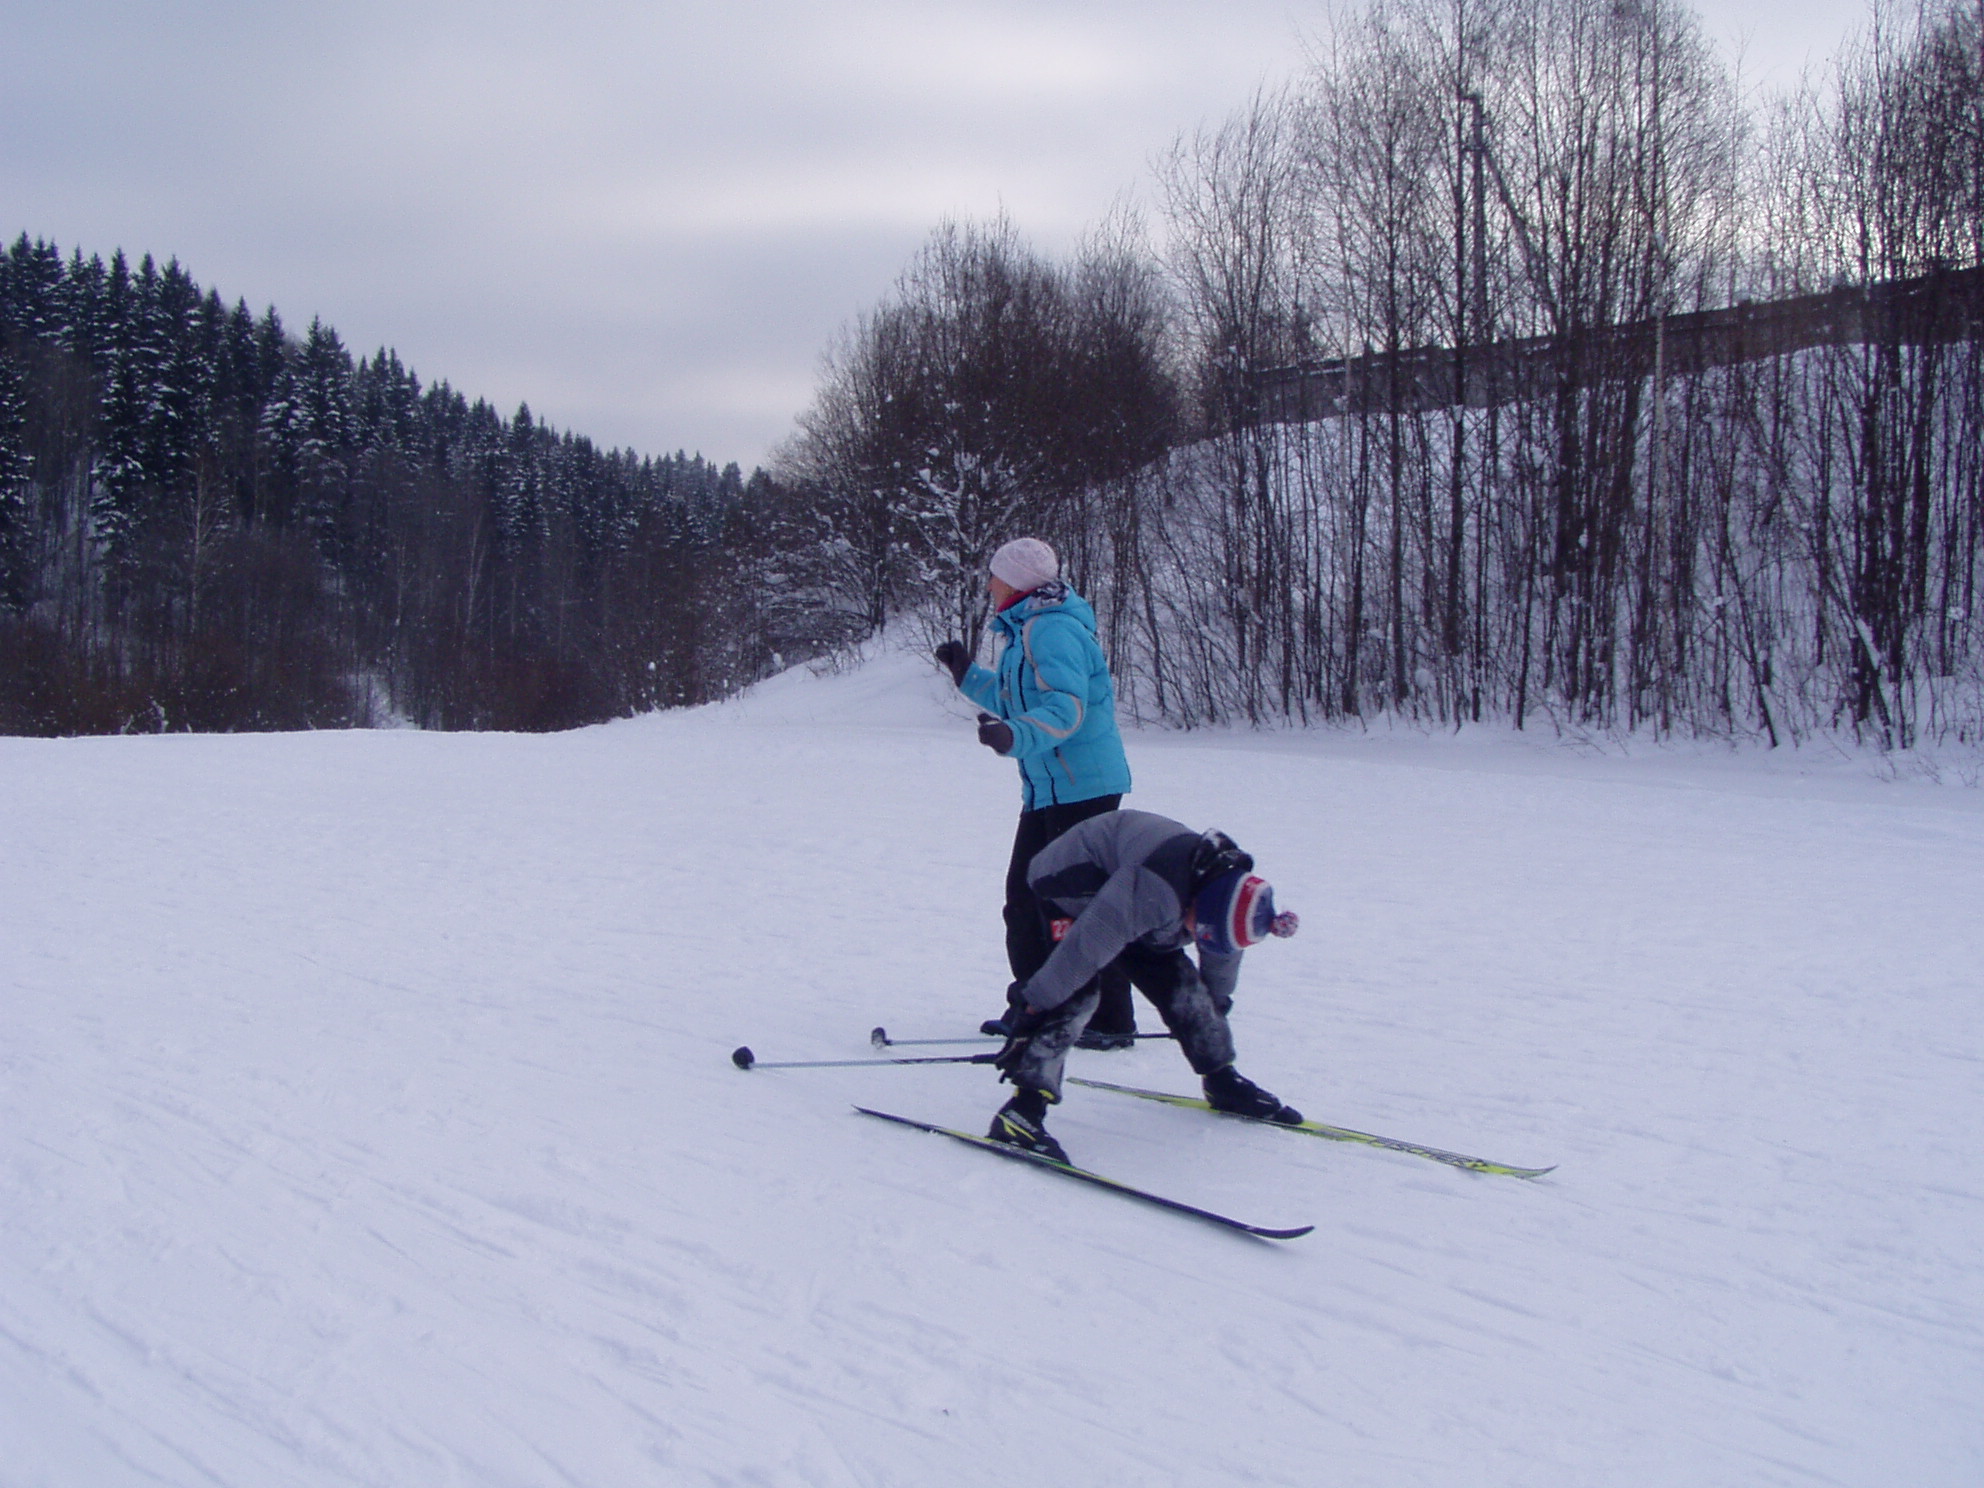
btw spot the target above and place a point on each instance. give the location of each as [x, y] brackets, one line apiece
[1029, 940]
[1170, 979]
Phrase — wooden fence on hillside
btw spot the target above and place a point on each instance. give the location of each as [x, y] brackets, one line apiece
[1941, 307]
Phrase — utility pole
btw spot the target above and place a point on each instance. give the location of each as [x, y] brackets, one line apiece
[1479, 150]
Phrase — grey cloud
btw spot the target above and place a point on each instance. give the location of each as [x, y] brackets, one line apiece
[647, 220]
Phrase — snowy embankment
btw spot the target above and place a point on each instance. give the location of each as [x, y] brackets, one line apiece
[366, 1117]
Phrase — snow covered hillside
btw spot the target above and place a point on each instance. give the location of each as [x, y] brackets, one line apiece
[366, 1117]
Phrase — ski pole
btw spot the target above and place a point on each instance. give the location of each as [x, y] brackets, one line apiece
[879, 1037]
[744, 1059]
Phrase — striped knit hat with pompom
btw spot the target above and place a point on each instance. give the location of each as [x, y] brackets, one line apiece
[1236, 910]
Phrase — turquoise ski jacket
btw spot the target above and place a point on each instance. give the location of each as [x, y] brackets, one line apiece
[1052, 687]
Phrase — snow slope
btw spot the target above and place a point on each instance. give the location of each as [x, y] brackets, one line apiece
[366, 1118]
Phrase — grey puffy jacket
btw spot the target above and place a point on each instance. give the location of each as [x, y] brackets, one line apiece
[1124, 878]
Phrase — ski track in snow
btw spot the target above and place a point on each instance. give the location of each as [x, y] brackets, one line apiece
[366, 1118]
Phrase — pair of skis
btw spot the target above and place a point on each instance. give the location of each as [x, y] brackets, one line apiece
[880, 1039]
[744, 1059]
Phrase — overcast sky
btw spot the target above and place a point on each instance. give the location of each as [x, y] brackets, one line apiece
[646, 218]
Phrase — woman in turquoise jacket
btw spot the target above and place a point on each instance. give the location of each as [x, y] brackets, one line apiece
[1048, 705]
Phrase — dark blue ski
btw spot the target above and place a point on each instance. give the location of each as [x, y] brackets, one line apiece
[1068, 1171]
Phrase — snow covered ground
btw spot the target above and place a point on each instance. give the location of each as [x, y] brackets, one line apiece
[366, 1117]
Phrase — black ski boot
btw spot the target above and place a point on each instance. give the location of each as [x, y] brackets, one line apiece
[1229, 1090]
[1022, 1122]
[1095, 1038]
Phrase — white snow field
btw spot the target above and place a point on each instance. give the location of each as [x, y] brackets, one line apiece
[367, 1117]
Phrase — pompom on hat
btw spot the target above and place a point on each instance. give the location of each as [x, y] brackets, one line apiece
[1026, 563]
[1236, 910]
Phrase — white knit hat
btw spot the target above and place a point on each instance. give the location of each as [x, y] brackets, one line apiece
[1026, 563]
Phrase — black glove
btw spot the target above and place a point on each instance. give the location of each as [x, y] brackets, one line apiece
[994, 734]
[996, 1027]
[1022, 1023]
[956, 659]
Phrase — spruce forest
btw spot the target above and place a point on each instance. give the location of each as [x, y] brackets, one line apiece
[1510, 366]
[208, 523]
